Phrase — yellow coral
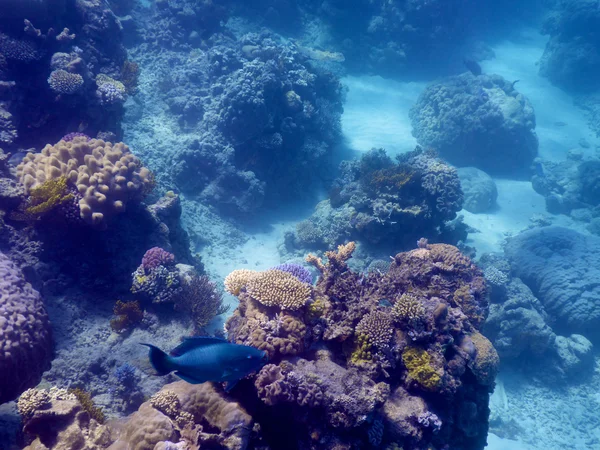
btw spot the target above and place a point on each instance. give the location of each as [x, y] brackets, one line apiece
[47, 196]
[107, 176]
[277, 288]
[238, 279]
[362, 352]
[418, 363]
[88, 405]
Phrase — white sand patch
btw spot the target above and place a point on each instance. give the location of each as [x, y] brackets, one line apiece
[518, 202]
[553, 107]
[376, 114]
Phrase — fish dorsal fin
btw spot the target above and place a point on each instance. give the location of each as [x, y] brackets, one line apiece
[195, 342]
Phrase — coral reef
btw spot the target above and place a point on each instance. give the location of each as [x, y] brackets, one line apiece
[182, 414]
[57, 418]
[258, 122]
[25, 333]
[351, 368]
[480, 121]
[379, 202]
[157, 278]
[571, 55]
[50, 56]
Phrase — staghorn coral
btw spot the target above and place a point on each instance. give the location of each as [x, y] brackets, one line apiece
[106, 176]
[278, 288]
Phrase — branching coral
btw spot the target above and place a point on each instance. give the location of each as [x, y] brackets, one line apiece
[377, 327]
[238, 279]
[280, 289]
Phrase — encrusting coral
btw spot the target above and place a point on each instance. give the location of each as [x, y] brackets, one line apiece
[105, 176]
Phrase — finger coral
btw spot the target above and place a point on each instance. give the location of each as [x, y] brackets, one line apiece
[107, 176]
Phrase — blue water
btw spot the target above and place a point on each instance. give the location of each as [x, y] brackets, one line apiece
[257, 133]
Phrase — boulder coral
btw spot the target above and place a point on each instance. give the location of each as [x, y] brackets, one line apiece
[480, 121]
[104, 176]
[25, 333]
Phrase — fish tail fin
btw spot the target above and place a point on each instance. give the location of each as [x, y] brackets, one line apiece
[159, 360]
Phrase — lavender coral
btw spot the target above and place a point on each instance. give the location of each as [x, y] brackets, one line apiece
[157, 278]
[25, 334]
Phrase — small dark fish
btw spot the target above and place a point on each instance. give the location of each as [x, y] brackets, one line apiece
[473, 66]
[560, 124]
[200, 359]
[539, 169]
[16, 158]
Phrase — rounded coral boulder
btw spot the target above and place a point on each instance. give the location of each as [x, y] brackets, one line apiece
[25, 334]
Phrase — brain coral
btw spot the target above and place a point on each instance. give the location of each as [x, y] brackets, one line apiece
[561, 267]
[105, 175]
[25, 335]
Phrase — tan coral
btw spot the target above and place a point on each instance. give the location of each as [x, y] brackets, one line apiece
[486, 362]
[59, 418]
[408, 307]
[280, 289]
[377, 327]
[106, 175]
[238, 279]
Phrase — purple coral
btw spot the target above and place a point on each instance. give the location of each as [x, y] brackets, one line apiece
[70, 136]
[155, 257]
[300, 272]
[25, 334]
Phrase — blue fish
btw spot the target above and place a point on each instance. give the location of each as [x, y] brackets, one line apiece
[200, 359]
